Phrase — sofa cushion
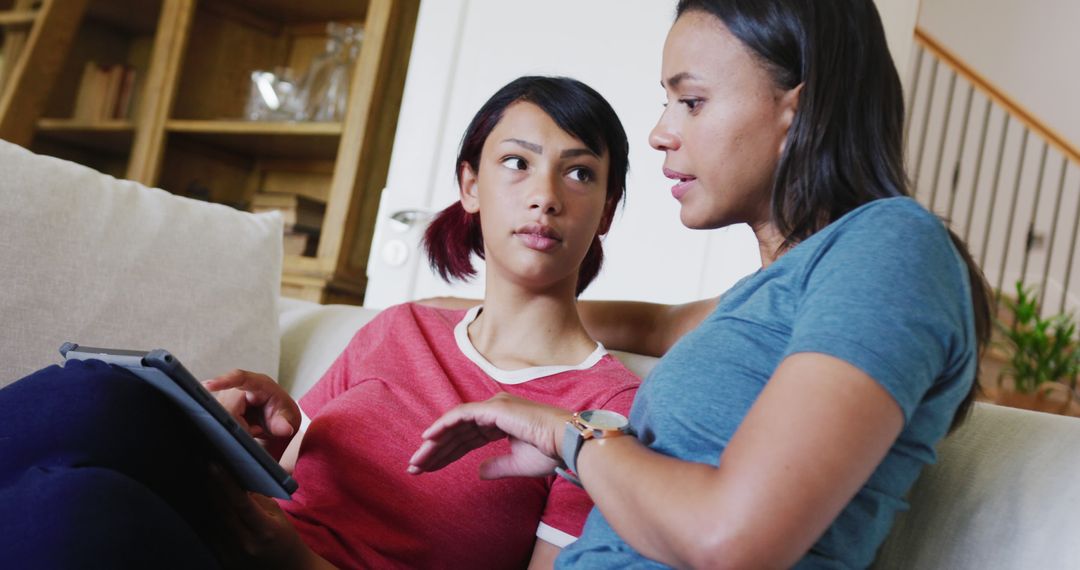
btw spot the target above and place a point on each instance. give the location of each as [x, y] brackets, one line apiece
[312, 337]
[103, 262]
[1002, 495]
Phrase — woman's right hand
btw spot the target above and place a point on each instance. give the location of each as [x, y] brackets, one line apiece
[260, 405]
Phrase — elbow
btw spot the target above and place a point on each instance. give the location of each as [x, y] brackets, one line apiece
[736, 551]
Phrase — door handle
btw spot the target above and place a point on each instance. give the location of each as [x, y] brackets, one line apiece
[404, 220]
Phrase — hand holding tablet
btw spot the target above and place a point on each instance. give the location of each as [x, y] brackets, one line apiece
[253, 467]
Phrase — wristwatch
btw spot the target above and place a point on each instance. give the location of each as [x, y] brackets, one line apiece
[583, 426]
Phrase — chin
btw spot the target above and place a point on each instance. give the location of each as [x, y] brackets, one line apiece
[693, 221]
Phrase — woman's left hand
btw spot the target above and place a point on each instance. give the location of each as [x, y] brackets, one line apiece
[535, 432]
[255, 533]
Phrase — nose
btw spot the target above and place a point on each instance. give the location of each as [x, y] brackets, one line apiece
[544, 195]
[663, 137]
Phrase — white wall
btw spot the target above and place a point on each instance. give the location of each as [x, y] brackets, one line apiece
[465, 49]
[899, 17]
[1029, 49]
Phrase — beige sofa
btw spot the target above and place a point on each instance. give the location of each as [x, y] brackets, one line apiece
[87, 258]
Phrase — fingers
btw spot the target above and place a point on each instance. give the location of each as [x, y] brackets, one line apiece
[434, 454]
[258, 400]
[281, 415]
[241, 379]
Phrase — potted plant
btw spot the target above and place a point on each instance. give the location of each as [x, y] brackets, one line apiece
[1042, 356]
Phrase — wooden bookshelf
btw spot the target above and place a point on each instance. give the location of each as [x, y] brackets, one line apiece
[263, 139]
[16, 18]
[113, 136]
[193, 60]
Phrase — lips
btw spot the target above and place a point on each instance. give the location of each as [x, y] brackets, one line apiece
[538, 236]
[685, 181]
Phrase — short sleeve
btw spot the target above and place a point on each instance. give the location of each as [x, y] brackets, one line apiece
[337, 378]
[568, 505]
[889, 294]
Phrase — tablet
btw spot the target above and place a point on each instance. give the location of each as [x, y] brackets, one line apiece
[253, 467]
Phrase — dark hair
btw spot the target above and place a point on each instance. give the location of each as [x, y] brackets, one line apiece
[454, 235]
[845, 144]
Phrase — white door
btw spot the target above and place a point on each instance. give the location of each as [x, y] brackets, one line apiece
[463, 51]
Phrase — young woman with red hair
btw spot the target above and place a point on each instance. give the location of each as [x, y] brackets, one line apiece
[542, 168]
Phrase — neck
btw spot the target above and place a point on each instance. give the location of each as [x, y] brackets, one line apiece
[769, 242]
[521, 328]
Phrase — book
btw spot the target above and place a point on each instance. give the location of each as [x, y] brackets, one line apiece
[301, 213]
[105, 92]
[126, 94]
[83, 97]
[113, 78]
[300, 243]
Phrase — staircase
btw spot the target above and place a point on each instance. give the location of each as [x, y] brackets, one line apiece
[1009, 184]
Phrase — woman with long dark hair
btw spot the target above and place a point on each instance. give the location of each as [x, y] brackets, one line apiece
[789, 417]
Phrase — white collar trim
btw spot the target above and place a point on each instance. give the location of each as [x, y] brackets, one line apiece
[461, 335]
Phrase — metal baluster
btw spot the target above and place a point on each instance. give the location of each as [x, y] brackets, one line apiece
[960, 154]
[910, 105]
[978, 172]
[926, 125]
[936, 180]
[1012, 208]
[1072, 250]
[1053, 230]
[993, 191]
[1029, 238]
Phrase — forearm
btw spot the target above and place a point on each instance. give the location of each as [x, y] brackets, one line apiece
[644, 328]
[666, 509]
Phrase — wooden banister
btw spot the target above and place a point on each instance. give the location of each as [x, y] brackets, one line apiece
[1011, 106]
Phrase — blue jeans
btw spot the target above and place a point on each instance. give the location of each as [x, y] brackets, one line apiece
[97, 469]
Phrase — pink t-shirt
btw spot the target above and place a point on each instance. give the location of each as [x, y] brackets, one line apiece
[357, 506]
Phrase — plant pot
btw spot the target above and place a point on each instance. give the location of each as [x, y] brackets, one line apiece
[1050, 397]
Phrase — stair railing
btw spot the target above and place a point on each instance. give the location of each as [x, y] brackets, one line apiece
[1009, 184]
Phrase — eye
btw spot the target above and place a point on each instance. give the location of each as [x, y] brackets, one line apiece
[581, 174]
[515, 163]
[691, 103]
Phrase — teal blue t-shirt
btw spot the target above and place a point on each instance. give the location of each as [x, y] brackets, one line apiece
[882, 288]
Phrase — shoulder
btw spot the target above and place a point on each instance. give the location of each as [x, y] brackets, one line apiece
[404, 321]
[423, 314]
[611, 382]
[891, 230]
[615, 372]
[890, 219]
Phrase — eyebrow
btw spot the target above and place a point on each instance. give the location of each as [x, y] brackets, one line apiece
[675, 80]
[528, 145]
[572, 152]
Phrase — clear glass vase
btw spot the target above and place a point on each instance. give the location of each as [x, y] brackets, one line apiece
[273, 96]
[324, 90]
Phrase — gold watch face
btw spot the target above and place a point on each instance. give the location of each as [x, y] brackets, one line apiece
[604, 420]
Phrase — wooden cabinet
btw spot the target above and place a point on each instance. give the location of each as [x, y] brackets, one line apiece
[193, 61]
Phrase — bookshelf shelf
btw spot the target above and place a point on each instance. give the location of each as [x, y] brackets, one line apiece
[138, 17]
[113, 137]
[184, 67]
[17, 17]
[264, 140]
[308, 11]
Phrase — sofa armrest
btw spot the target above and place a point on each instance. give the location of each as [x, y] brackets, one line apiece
[312, 336]
[1003, 494]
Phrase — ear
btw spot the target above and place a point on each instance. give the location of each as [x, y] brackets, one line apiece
[609, 215]
[470, 195]
[789, 107]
